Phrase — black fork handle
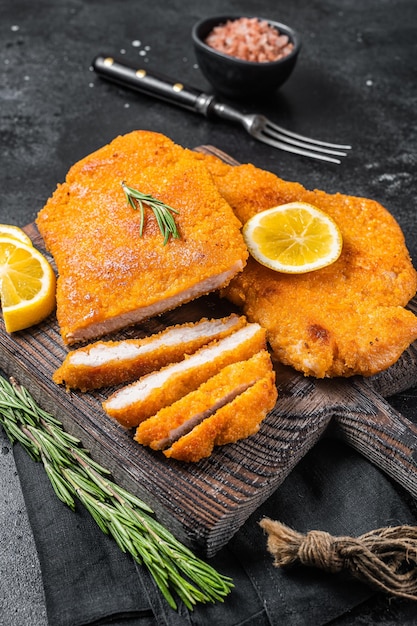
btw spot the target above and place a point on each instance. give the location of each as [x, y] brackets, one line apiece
[153, 84]
[164, 88]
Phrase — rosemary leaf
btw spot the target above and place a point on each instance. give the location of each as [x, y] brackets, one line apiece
[48, 446]
[124, 516]
[82, 482]
[59, 485]
[162, 212]
[112, 489]
[97, 518]
[130, 498]
[82, 457]
[14, 433]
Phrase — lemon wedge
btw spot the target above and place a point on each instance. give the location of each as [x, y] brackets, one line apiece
[27, 284]
[9, 230]
[293, 238]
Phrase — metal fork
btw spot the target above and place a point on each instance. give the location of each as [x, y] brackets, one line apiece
[258, 126]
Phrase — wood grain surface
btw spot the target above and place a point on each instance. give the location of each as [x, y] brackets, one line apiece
[205, 503]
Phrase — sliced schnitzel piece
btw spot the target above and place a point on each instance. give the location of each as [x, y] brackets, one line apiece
[173, 422]
[108, 363]
[345, 319]
[235, 420]
[134, 403]
[109, 276]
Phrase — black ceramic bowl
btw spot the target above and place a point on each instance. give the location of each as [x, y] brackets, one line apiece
[242, 79]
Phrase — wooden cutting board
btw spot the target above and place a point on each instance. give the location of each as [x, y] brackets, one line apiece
[205, 503]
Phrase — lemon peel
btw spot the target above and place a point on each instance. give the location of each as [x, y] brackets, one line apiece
[9, 230]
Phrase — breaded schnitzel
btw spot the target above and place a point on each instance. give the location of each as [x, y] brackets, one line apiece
[134, 403]
[111, 277]
[239, 418]
[229, 406]
[108, 363]
[342, 320]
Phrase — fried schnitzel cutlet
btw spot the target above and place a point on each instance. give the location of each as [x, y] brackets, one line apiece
[108, 363]
[228, 407]
[109, 276]
[345, 319]
[235, 420]
[134, 403]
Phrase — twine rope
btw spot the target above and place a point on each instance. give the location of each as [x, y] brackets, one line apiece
[385, 558]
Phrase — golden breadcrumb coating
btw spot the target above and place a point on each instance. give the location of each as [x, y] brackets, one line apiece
[342, 320]
[134, 403]
[172, 422]
[110, 276]
[109, 363]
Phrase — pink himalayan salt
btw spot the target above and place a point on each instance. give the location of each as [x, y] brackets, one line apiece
[250, 39]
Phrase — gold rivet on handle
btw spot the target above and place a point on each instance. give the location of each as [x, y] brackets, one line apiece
[140, 73]
[108, 61]
[178, 87]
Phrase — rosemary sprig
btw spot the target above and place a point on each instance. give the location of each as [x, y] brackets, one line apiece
[163, 212]
[75, 475]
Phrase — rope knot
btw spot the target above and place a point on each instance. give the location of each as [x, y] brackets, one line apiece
[385, 558]
[319, 549]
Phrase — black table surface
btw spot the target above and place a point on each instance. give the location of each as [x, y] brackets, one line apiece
[355, 82]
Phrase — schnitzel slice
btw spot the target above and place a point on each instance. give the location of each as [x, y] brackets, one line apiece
[134, 403]
[235, 420]
[173, 422]
[110, 276]
[345, 319]
[108, 363]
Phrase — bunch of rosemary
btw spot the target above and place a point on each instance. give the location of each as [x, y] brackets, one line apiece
[163, 212]
[73, 474]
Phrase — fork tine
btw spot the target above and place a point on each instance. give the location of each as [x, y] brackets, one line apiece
[301, 144]
[315, 142]
[295, 149]
[259, 127]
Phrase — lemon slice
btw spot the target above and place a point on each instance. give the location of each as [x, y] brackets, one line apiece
[8, 230]
[293, 238]
[27, 284]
